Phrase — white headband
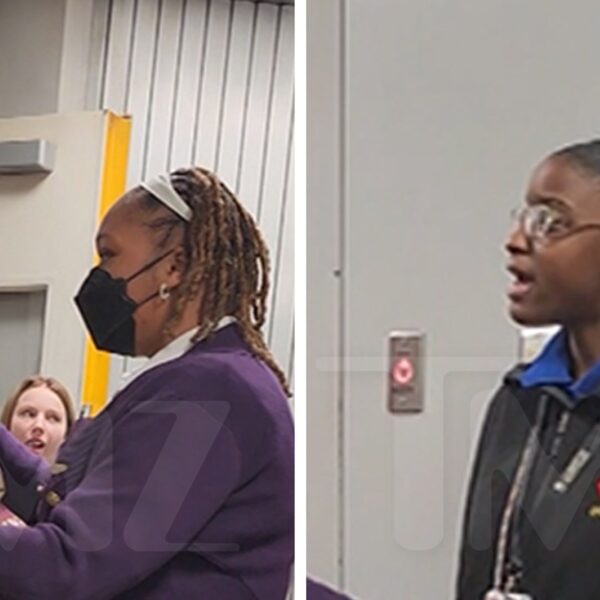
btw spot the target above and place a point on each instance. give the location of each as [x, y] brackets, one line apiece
[160, 187]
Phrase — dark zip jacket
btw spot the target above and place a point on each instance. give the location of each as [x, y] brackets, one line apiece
[555, 537]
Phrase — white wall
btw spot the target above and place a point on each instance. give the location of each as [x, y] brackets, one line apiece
[209, 82]
[42, 219]
[444, 109]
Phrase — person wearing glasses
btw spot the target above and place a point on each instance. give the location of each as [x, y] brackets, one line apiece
[532, 521]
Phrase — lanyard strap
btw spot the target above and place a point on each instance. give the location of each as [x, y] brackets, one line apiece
[515, 495]
[577, 463]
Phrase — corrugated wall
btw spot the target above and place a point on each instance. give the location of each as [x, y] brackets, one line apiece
[209, 82]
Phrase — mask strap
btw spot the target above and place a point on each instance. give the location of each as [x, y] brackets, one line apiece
[145, 300]
[149, 265]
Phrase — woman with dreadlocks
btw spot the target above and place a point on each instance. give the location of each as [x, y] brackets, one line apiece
[182, 487]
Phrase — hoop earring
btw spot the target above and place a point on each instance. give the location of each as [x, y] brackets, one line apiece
[163, 292]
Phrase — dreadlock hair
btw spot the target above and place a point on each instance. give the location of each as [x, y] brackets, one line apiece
[584, 155]
[225, 255]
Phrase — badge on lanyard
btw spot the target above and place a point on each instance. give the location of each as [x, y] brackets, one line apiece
[579, 461]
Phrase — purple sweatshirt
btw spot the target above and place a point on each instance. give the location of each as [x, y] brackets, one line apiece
[181, 488]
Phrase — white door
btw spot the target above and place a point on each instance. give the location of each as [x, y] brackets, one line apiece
[47, 228]
[437, 112]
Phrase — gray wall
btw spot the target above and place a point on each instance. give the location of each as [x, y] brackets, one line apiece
[323, 300]
[31, 42]
[21, 336]
[438, 112]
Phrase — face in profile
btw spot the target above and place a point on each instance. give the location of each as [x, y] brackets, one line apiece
[556, 275]
[127, 247]
[39, 421]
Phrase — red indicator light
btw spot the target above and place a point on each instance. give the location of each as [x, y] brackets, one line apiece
[403, 371]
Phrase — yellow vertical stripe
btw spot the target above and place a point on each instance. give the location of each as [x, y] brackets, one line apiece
[96, 365]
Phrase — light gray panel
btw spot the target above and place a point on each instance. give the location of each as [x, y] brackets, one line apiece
[249, 182]
[190, 83]
[31, 36]
[235, 91]
[21, 332]
[76, 70]
[215, 67]
[165, 78]
[323, 190]
[118, 53]
[27, 156]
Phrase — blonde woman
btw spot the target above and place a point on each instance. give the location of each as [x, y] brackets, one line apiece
[36, 418]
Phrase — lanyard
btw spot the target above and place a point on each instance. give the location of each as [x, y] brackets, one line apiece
[575, 466]
[515, 499]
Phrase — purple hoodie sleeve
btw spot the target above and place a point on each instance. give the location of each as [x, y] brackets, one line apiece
[21, 464]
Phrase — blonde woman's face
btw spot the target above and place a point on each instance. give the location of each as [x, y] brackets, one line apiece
[40, 421]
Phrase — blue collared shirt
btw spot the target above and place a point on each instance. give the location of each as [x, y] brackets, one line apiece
[551, 367]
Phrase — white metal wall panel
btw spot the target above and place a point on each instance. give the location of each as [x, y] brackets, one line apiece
[191, 76]
[257, 114]
[210, 82]
[231, 124]
[206, 133]
[281, 325]
[140, 83]
[277, 148]
[163, 85]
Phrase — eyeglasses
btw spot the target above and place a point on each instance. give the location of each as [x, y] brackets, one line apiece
[542, 223]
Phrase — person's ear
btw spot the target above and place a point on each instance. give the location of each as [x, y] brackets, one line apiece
[175, 267]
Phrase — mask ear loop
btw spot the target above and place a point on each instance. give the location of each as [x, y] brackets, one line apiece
[149, 265]
[163, 291]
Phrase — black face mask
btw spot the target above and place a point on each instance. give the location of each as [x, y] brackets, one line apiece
[108, 311]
